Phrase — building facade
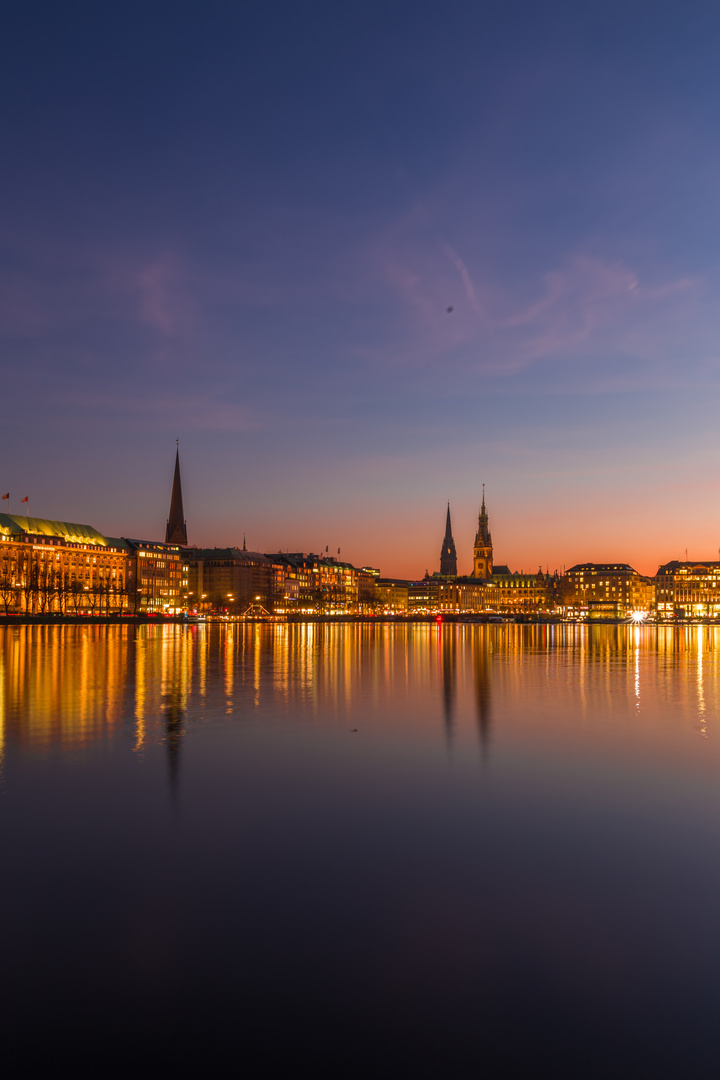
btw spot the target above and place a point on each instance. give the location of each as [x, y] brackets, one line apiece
[59, 567]
[157, 576]
[605, 590]
[523, 594]
[325, 586]
[233, 579]
[686, 590]
[391, 596]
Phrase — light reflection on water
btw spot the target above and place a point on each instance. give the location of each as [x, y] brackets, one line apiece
[417, 825]
[70, 685]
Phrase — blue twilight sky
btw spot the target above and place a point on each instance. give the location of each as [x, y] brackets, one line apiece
[245, 225]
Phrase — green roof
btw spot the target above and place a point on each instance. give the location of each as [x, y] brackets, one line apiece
[16, 525]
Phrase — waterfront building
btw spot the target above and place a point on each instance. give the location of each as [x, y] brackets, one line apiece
[605, 590]
[473, 596]
[518, 594]
[325, 586]
[441, 596]
[448, 555]
[430, 596]
[688, 590]
[391, 596]
[233, 579]
[366, 578]
[483, 549]
[60, 567]
[156, 573]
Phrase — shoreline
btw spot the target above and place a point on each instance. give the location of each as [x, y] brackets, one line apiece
[452, 618]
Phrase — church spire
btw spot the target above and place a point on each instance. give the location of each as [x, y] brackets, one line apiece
[176, 531]
[483, 550]
[483, 533]
[448, 555]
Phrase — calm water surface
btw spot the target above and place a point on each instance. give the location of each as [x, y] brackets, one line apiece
[390, 849]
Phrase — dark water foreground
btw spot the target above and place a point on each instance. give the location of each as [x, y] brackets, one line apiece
[386, 850]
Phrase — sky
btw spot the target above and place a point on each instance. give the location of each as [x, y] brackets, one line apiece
[360, 260]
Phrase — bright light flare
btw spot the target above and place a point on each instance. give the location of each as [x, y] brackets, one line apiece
[638, 616]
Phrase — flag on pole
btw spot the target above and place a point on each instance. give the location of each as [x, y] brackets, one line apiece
[6, 496]
[25, 499]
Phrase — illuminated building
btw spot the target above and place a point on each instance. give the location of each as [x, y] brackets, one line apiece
[448, 555]
[426, 596]
[522, 593]
[436, 595]
[688, 590]
[483, 549]
[472, 595]
[233, 579]
[58, 566]
[605, 590]
[391, 596]
[156, 574]
[325, 586]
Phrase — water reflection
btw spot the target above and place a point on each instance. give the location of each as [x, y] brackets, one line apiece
[448, 658]
[483, 677]
[316, 876]
[70, 686]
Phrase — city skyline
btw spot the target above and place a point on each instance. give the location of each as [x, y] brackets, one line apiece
[484, 562]
[465, 562]
[361, 262]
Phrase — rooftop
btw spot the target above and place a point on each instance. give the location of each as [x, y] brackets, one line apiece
[18, 525]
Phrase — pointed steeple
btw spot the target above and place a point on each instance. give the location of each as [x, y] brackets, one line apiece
[483, 534]
[483, 551]
[176, 531]
[448, 555]
[448, 526]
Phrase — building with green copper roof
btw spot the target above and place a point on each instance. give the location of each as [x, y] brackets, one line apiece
[15, 525]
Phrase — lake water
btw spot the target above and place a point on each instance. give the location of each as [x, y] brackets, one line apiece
[372, 848]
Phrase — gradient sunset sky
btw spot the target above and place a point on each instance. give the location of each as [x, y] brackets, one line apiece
[243, 225]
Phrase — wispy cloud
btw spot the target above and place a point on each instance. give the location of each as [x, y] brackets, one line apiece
[585, 306]
[165, 302]
[465, 277]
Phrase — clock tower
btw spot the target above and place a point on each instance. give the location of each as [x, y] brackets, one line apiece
[483, 550]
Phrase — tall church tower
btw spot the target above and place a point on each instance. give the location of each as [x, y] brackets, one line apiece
[176, 530]
[448, 555]
[483, 551]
